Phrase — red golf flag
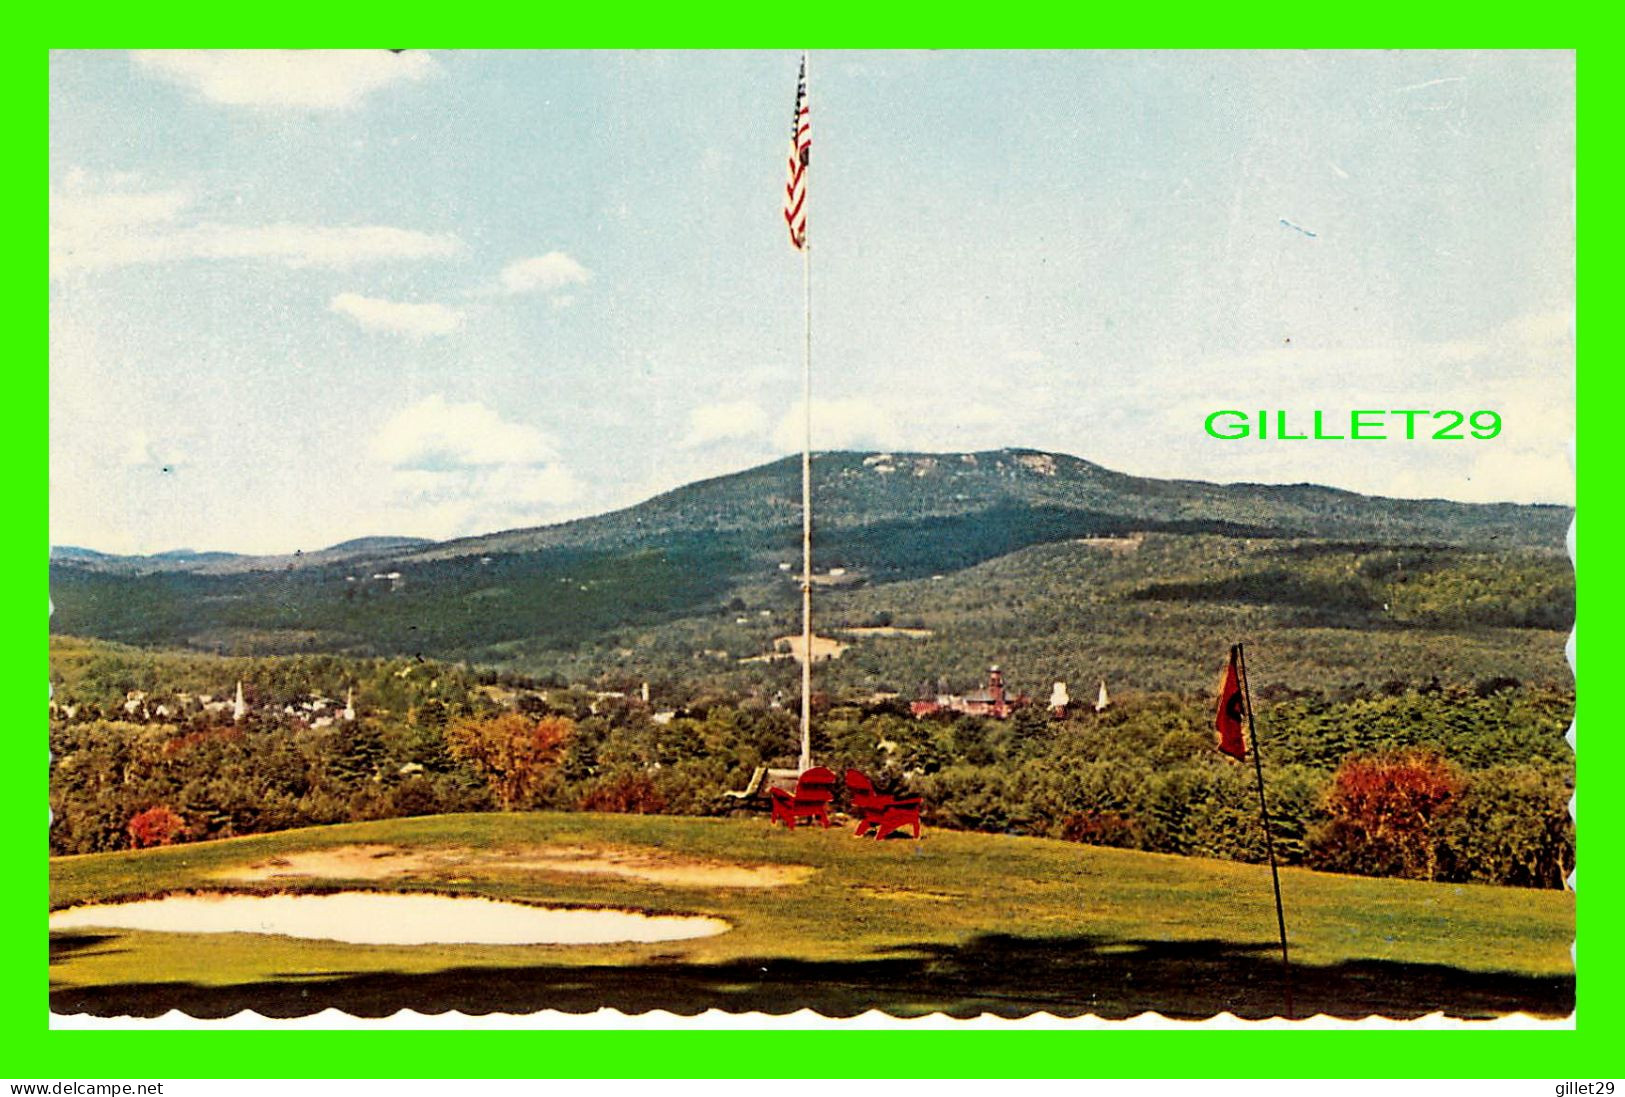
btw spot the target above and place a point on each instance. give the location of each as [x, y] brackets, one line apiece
[1231, 713]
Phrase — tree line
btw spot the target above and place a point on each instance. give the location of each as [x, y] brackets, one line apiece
[1434, 782]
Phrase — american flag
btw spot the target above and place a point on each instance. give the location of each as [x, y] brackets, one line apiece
[795, 190]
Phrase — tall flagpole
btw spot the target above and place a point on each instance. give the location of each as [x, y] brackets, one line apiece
[1269, 838]
[806, 490]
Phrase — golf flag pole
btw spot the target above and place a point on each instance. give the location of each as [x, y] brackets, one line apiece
[1238, 662]
[795, 217]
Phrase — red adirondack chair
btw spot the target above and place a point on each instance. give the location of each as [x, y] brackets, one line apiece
[878, 810]
[814, 790]
[867, 804]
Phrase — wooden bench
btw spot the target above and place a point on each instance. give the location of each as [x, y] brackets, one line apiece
[758, 791]
[751, 788]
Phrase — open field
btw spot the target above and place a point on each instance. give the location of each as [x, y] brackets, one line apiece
[961, 923]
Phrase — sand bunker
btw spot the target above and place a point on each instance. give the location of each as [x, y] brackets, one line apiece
[375, 918]
[670, 872]
[374, 862]
[383, 862]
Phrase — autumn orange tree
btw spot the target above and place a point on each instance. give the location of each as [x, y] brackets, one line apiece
[515, 754]
[157, 826]
[1385, 814]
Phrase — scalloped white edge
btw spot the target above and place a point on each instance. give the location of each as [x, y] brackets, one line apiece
[802, 1020]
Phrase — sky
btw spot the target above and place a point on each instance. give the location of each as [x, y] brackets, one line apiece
[299, 297]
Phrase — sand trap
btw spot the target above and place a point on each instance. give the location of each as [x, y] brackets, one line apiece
[376, 918]
[654, 869]
[382, 862]
[375, 862]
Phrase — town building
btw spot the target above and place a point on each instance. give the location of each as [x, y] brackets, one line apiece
[993, 700]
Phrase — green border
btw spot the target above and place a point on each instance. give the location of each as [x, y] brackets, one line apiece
[1589, 1051]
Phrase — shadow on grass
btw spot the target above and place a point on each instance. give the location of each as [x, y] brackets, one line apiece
[1006, 976]
[64, 945]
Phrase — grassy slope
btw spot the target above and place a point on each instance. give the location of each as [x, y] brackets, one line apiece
[962, 923]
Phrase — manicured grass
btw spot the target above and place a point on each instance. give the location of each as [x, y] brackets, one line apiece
[963, 923]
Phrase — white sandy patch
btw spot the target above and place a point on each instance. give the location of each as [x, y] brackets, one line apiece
[656, 870]
[795, 647]
[383, 862]
[371, 918]
[1118, 545]
[371, 862]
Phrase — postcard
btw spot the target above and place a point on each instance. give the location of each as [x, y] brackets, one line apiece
[1017, 535]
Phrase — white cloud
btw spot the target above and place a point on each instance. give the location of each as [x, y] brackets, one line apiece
[453, 469]
[466, 502]
[499, 488]
[112, 204]
[315, 245]
[398, 317]
[544, 273]
[1490, 475]
[721, 422]
[1522, 369]
[299, 79]
[1539, 331]
[837, 424]
[98, 224]
[434, 434]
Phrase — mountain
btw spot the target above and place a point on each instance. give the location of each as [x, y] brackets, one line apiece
[224, 562]
[854, 491]
[74, 552]
[711, 567]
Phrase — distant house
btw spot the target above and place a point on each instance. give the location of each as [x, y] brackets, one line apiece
[994, 700]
